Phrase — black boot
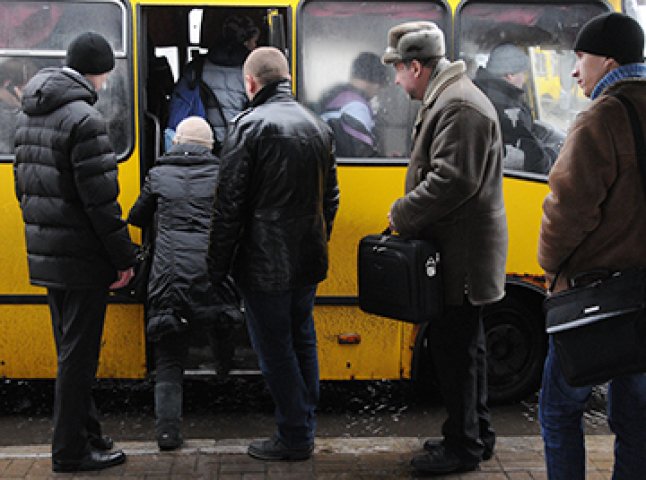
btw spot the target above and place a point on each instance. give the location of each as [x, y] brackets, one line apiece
[168, 413]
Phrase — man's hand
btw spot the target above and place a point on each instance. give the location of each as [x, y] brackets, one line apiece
[123, 278]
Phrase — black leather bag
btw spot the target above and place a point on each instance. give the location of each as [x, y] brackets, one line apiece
[399, 278]
[599, 330]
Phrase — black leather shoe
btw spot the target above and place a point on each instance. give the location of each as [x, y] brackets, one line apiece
[103, 443]
[169, 440]
[274, 450]
[92, 461]
[441, 461]
[430, 445]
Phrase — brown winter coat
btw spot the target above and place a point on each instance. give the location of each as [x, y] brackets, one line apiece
[454, 187]
[597, 206]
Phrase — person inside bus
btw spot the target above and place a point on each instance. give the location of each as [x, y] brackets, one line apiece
[78, 246]
[14, 74]
[453, 186]
[502, 81]
[346, 107]
[594, 220]
[212, 86]
[179, 189]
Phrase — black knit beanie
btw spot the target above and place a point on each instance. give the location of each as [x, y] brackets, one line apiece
[90, 53]
[613, 35]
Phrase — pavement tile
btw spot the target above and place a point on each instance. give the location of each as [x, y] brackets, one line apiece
[517, 458]
[18, 467]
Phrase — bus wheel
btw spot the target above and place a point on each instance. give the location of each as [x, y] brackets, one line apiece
[516, 348]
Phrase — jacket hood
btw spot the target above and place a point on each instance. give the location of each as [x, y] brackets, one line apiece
[52, 88]
[187, 154]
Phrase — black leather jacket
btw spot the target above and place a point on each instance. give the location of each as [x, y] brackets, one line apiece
[277, 196]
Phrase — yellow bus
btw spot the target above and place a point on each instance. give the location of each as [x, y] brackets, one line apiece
[320, 39]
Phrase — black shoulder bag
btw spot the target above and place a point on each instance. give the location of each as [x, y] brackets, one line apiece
[599, 325]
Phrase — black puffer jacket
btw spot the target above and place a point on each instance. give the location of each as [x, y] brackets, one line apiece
[180, 189]
[277, 196]
[66, 182]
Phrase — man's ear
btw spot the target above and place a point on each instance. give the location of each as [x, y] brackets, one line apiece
[251, 86]
[610, 64]
[416, 67]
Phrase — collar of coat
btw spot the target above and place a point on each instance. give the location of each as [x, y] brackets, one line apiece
[273, 91]
[624, 72]
[444, 75]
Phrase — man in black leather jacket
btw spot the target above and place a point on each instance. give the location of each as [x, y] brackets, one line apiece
[276, 200]
[77, 243]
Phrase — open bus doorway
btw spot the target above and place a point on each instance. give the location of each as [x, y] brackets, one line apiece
[170, 38]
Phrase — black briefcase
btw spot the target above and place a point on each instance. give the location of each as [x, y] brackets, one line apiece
[399, 278]
[599, 330]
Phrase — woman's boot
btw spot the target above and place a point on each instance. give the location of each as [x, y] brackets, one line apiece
[168, 414]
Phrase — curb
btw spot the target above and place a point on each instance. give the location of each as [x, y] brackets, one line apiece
[324, 445]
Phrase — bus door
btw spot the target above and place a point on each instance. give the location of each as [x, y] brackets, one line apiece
[169, 37]
[340, 44]
[544, 33]
[35, 35]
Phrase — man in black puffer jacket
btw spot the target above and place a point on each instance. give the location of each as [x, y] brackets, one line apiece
[276, 200]
[78, 246]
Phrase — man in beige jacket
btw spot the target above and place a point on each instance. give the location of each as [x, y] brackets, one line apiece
[454, 196]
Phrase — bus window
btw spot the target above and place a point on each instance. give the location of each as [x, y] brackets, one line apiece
[637, 10]
[340, 79]
[36, 35]
[542, 35]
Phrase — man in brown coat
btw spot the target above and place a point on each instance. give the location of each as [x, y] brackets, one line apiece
[594, 218]
[454, 196]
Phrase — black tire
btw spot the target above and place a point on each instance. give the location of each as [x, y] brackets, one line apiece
[516, 347]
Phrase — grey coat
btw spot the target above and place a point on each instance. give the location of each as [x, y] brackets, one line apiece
[454, 186]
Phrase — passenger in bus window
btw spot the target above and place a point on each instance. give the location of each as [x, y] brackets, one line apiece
[346, 107]
[502, 81]
[276, 201]
[594, 220]
[14, 74]
[78, 246]
[212, 86]
[179, 190]
[454, 197]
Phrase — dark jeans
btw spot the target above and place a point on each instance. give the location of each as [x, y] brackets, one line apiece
[459, 354]
[561, 410]
[77, 323]
[281, 329]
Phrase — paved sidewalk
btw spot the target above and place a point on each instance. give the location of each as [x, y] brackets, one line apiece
[516, 458]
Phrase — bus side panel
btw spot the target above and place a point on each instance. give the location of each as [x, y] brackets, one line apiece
[367, 193]
[382, 353]
[27, 344]
[522, 203]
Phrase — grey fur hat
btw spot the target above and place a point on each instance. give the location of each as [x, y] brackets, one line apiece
[414, 41]
[507, 59]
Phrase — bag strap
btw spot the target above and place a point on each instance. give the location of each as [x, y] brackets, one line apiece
[640, 155]
[638, 134]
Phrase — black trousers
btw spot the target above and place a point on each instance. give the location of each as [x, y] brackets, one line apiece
[77, 323]
[459, 354]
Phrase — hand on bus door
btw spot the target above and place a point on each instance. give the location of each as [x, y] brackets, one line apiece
[123, 278]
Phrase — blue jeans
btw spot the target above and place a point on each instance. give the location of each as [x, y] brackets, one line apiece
[561, 410]
[281, 329]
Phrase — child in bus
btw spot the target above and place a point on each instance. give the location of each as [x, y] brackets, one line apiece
[179, 189]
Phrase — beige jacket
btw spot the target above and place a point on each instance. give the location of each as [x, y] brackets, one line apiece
[454, 186]
[597, 207]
